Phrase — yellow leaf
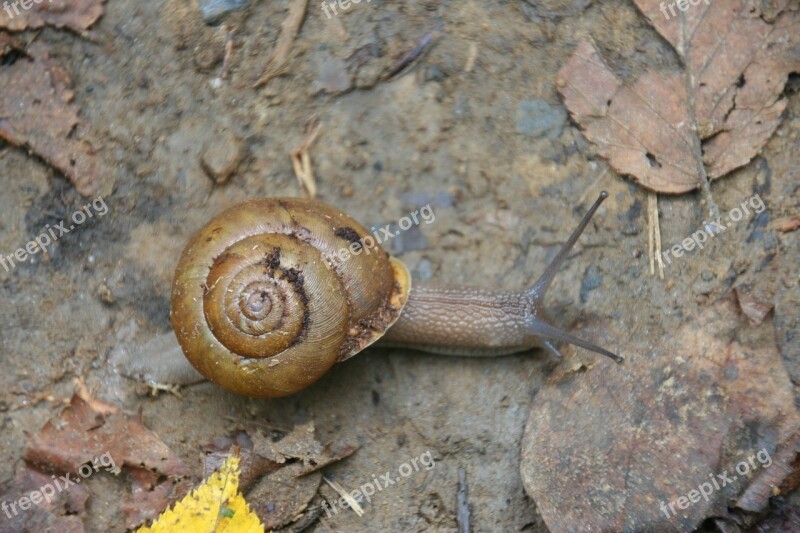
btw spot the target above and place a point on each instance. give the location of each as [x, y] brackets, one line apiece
[216, 506]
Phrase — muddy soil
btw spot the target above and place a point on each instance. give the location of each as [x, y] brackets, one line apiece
[490, 148]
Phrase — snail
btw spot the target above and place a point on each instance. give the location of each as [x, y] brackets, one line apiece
[259, 308]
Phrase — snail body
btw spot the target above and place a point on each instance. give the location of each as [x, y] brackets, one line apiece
[259, 308]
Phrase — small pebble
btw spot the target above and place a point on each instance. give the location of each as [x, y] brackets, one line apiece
[106, 294]
[221, 156]
[435, 73]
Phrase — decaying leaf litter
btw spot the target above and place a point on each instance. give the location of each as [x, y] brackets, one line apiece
[674, 131]
[37, 113]
[694, 403]
[76, 15]
[216, 505]
[718, 320]
[87, 428]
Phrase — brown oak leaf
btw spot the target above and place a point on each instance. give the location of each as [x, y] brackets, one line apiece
[673, 130]
[645, 446]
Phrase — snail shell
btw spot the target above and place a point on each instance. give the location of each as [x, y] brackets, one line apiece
[258, 309]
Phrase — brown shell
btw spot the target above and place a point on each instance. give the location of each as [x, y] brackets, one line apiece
[262, 306]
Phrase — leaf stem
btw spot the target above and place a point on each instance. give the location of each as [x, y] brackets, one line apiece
[697, 152]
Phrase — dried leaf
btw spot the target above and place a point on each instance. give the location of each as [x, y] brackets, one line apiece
[279, 498]
[63, 511]
[37, 113]
[89, 428]
[609, 447]
[216, 505]
[252, 465]
[291, 465]
[736, 64]
[76, 15]
[643, 130]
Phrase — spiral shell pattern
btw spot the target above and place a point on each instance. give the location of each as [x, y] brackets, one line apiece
[259, 310]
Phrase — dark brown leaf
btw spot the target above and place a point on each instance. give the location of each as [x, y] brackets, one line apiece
[736, 63]
[279, 498]
[37, 114]
[302, 446]
[291, 465]
[63, 511]
[88, 429]
[609, 447]
[76, 15]
[251, 466]
[151, 496]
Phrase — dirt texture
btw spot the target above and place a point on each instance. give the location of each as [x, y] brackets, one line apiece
[475, 127]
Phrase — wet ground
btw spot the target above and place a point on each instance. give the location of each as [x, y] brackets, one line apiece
[489, 147]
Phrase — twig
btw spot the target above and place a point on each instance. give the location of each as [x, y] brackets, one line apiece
[463, 502]
[472, 55]
[354, 505]
[654, 235]
[290, 27]
[154, 388]
[226, 61]
[301, 161]
[657, 230]
[422, 46]
[650, 233]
